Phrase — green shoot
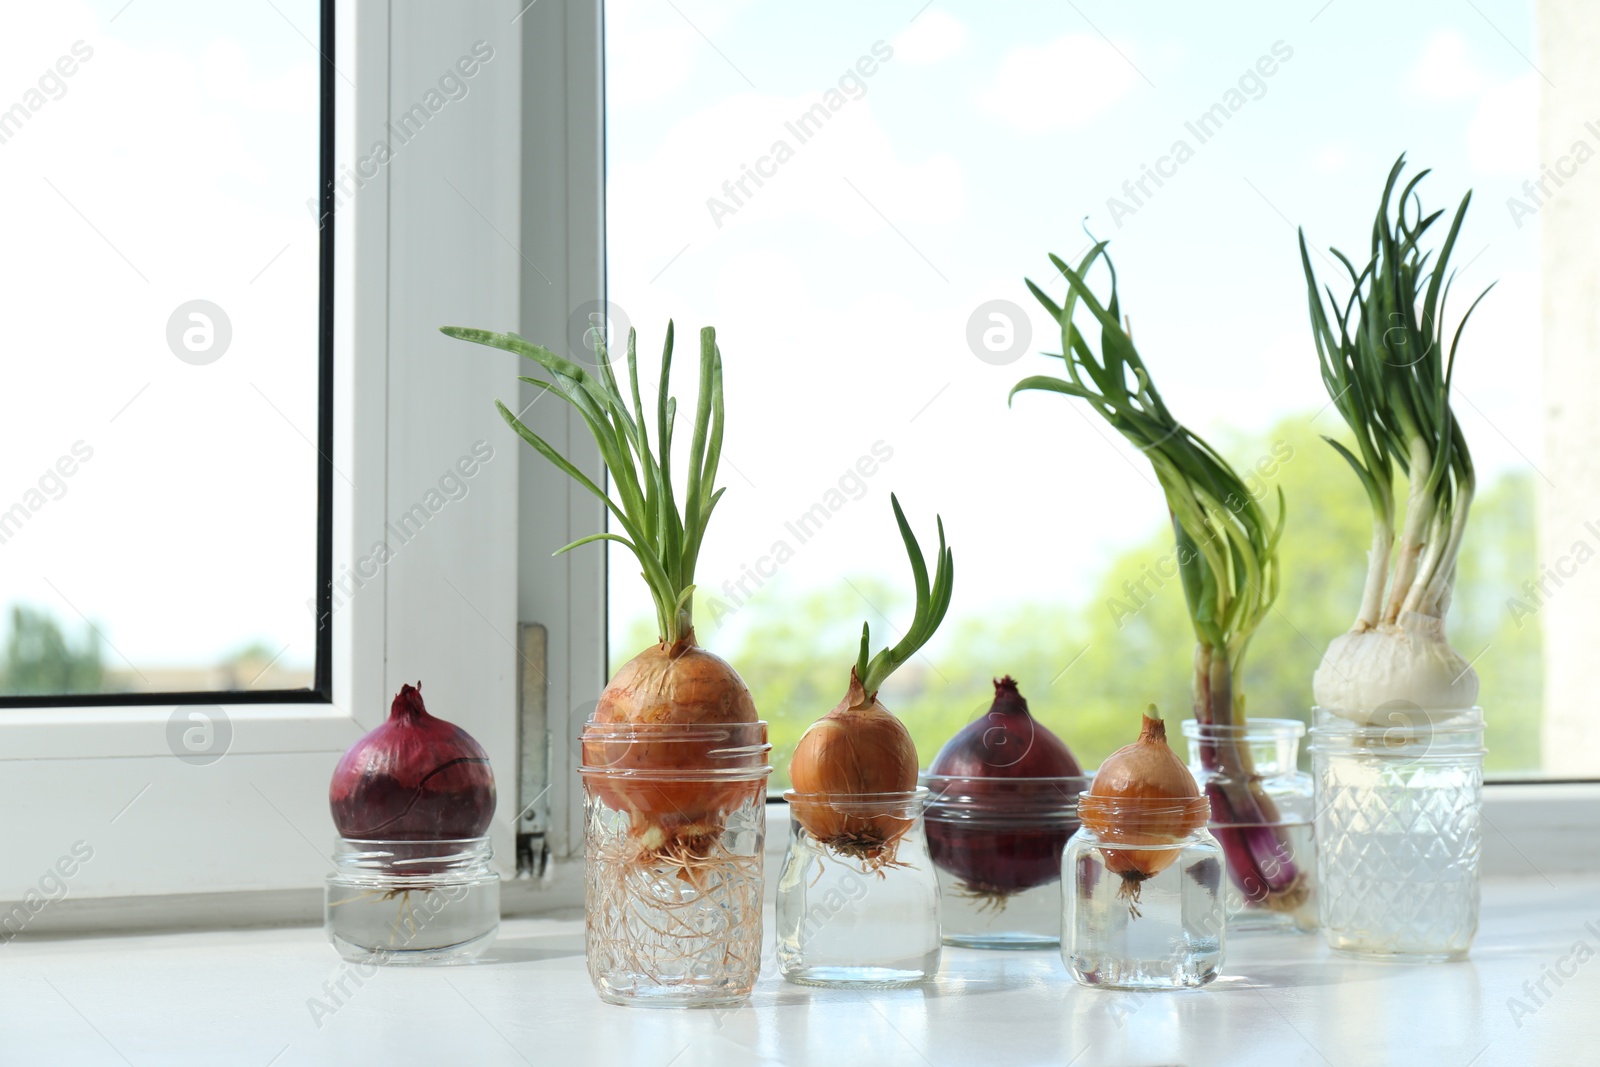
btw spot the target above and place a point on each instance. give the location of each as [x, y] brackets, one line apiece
[666, 542]
[1227, 546]
[932, 603]
[1388, 370]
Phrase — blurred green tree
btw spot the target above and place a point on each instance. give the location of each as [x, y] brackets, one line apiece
[39, 660]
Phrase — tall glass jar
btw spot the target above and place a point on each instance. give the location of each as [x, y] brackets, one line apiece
[1399, 829]
[1141, 910]
[412, 902]
[859, 905]
[996, 844]
[674, 821]
[1272, 860]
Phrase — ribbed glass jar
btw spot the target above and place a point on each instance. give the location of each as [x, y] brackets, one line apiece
[412, 902]
[996, 844]
[1272, 860]
[1142, 915]
[1399, 831]
[674, 822]
[858, 903]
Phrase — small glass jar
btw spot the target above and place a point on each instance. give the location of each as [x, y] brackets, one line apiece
[1138, 915]
[996, 844]
[674, 823]
[1399, 830]
[412, 902]
[860, 908]
[1262, 811]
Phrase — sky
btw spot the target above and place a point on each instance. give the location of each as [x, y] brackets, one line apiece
[172, 165]
[844, 286]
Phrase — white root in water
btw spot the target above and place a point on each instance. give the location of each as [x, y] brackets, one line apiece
[1367, 674]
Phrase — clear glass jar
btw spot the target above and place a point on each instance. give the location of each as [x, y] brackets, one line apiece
[1262, 813]
[996, 845]
[1137, 915]
[859, 906]
[1399, 830]
[412, 902]
[674, 823]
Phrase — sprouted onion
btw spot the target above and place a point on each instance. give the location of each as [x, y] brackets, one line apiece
[1227, 551]
[674, 682]
[415, 778]
[1015, 776]
[1388, 372]
[1142, 798]
[860, 749]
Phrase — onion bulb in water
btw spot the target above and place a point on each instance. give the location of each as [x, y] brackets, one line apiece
[1142, 796]
[1011, 828]
[416, 778]
[680, 684]
[857, 750]
[854, 767]
[673, 817]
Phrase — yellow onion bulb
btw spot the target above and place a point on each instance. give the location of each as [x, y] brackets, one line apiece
[1143, 795]
[681, 685]
[856, 750]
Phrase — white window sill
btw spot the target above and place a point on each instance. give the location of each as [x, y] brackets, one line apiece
[243, 997]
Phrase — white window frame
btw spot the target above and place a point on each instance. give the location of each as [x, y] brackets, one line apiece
[493, 217]
[445, 233]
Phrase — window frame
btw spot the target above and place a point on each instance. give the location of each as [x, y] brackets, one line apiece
[249, 834]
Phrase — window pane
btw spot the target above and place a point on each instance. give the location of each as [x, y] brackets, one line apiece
[848, 195]
[158, 484]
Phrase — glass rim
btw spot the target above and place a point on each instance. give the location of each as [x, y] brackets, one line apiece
[1090, 804]
[1417, 748]
[910, 801]
[1087, 778]
[403, 859]
[1253, 728]
[675, 751]
[1005, 800]
[1114, 840]
[1428, 723]
[655, 732]
[709, 775]
[483, 839]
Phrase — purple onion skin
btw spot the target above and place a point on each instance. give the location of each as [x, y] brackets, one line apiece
[414, 778]
[1006, 743]
[1260, 861]
[1000, 855]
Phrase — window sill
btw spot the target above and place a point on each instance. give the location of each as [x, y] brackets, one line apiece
[1284, 999]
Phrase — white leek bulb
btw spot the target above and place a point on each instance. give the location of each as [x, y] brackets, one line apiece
[1365, 674]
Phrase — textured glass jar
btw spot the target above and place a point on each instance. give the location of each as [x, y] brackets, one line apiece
[852, 914]
[1399, 831]
[1142, 916]
[1272, 862]
[412, 902]
[996, 844]
[674, 821]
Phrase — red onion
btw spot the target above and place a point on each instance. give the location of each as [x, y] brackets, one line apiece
[414, 778]
[1006, 743]
[1005, 831]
